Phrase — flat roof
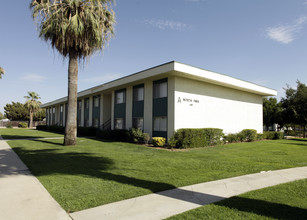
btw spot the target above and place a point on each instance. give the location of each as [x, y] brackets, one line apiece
[174, 68]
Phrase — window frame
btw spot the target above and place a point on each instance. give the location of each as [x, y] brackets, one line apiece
[160, 128]
[123, 91]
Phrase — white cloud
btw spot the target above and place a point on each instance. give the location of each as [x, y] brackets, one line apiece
[285, 34]
[33, 78]
[102, 78]
[167, 24]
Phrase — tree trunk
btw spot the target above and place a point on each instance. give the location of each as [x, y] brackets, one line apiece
[31, 119]
[70, 137]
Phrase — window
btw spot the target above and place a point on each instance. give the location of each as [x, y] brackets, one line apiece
[79, 104]
[160, 124]
[86, 122]
[160, 90]
[79, 122]
[96, 101]
[87, 103]
[119, 123]
[138, 93]
[120, 97]
[96, 122]
[138, 123]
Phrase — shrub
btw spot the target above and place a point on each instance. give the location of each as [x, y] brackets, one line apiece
[233, 138]
[291, 133]
[146, 138]
[22, 125]
[158, 141]
[248, 135]
[41, 127]
[56, 129]
[9, 125]
[259, 136]
[116, 135]
[136, 135]
[86, 131]
[273, 135]
[202, 137]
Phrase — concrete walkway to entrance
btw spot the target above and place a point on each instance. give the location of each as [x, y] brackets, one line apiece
[22, 196]
[171, 202]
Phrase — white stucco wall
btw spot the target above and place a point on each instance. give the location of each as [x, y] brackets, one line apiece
[204, 105]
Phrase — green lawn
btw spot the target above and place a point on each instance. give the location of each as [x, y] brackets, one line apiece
[285, 201]
[21, 133]
[96, 172]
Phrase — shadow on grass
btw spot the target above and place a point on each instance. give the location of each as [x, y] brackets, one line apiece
[9, 137]
[264, 208]
[298, 139]
[51, 161]
[298, 143]
[43, 162]
[49, 142]
[12, 137]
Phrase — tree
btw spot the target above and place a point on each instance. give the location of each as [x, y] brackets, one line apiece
[16, 111]
[76, 29]
[272, 111]
[1, 115]
[295, 104]
[33, 105]
[40, 115]
[2, 71]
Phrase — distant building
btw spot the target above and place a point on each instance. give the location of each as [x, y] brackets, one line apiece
[165, 98]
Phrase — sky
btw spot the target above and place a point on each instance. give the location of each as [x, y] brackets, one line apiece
[263, 42]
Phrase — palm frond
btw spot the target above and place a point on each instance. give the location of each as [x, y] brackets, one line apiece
[2, 71]
[75, 27]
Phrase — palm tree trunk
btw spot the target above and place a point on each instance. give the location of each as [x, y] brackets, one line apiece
[31, 119]
[70, 137]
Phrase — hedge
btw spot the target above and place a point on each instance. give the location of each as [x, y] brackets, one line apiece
[248, 135]
[191, 138]
[116, 135]
[273, 135]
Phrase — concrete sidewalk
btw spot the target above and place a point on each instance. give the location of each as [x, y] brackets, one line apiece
[22, 196]
[171, 202]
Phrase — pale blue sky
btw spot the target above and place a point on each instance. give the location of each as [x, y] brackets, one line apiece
[263, 41]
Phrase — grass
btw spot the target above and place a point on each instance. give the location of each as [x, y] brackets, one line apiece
[22, 133]
[96, 172]
[285, 201]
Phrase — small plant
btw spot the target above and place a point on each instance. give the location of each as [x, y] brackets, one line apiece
[9, 125]
[22, 125]
[158, 141]
[146, 138]
[136, 135]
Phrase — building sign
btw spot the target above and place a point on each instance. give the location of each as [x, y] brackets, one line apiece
[188, 101]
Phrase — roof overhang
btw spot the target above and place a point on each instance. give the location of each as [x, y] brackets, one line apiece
[173, 69]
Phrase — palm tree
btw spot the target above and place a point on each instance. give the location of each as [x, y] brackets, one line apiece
[32, 104]
[1, 72]
[76, 29]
